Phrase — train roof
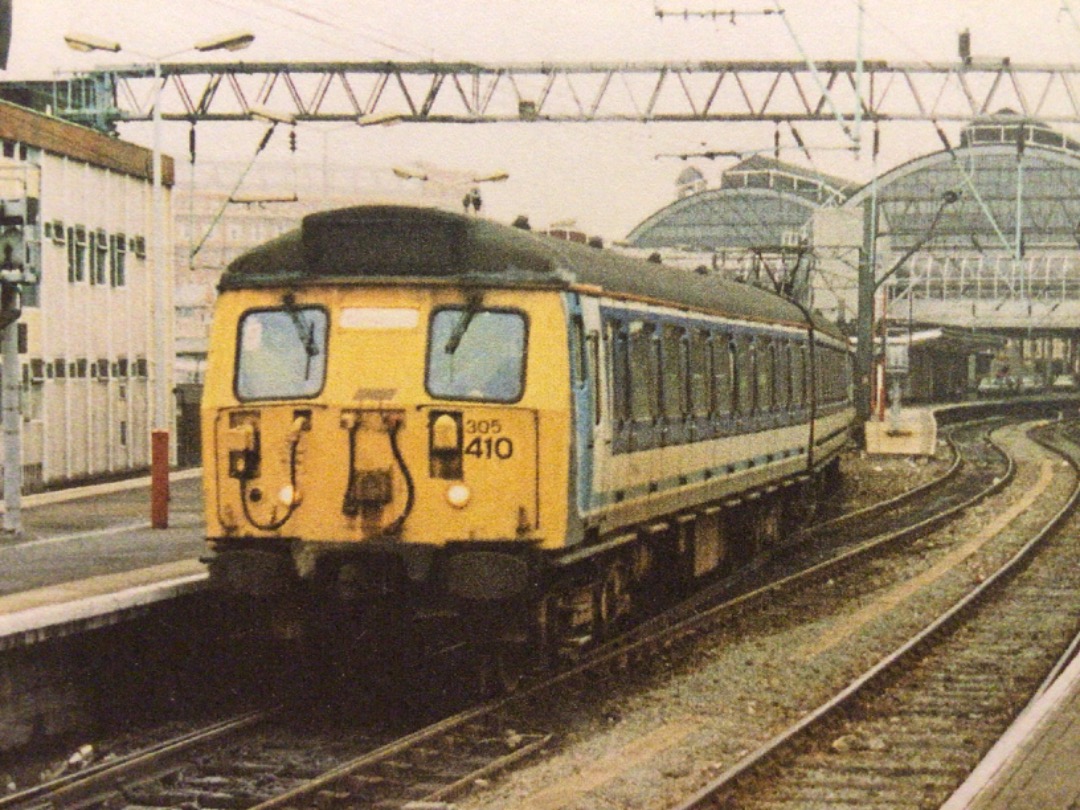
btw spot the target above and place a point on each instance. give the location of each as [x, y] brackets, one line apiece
[392, 244]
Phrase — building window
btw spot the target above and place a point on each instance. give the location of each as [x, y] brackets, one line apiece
[99, 256]
[77, 254]
[118, 260]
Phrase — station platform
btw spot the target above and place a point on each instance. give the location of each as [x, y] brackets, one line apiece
[88, 556]
[1034, 764]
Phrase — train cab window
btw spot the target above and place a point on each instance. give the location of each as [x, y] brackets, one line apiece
[700, 363]
[644, 372]
[673, 365]
[281, 354]
[476, 354]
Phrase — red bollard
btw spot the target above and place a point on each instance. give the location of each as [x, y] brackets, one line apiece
[159, 479]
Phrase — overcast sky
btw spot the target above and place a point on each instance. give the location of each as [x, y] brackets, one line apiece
[605, 176]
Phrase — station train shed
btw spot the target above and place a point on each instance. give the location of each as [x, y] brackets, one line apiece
[977, 250]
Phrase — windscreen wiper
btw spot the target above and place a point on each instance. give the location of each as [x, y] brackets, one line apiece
[304, 330]
[472, 307]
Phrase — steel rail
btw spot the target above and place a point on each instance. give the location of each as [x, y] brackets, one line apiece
[766, 752]
[102, 780]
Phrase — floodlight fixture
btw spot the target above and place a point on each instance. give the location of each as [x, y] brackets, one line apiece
[374, 119]
[271, 116]
[88, 42]
[236, 41]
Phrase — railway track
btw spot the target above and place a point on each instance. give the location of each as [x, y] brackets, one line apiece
[908, 730]
[262, 769]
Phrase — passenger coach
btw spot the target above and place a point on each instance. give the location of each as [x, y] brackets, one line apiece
[411, 407]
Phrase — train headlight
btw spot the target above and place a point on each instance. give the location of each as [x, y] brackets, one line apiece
[458, 496]
[289, 495]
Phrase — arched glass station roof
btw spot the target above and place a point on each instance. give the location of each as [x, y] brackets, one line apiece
[759, 204]
[1003, 164]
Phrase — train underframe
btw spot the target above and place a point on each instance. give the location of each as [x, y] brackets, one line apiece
[495, 604]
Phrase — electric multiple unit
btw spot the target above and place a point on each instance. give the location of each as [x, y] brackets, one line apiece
[430, 409]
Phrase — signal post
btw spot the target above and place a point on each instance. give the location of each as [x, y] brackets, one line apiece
[19, 266]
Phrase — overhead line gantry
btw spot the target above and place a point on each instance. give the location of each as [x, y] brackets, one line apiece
[468, 92]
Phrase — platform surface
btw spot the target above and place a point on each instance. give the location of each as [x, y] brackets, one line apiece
[1036, 763]
[911, 432]
[86, 556]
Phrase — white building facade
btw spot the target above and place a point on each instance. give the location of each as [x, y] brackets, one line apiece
[88, 329]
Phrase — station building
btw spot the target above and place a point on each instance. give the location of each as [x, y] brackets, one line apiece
[86, 332]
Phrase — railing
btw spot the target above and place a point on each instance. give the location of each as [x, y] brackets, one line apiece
[1044, 279]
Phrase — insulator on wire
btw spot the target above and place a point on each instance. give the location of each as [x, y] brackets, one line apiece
[944, 138]
[266, 137]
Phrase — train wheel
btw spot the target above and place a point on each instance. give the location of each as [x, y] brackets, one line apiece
[609, 602]
[770, 529]
[501, 669]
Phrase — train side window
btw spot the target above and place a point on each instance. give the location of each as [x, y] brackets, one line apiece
[620, 371]
[700, 371]
[783, 376]
[746, 376]
[673, 372]
[644, 372]
[577, 349]
[820, 359]
[725, 378]
[798, 376]
[765, 354]
[824, 375]
[592, 368]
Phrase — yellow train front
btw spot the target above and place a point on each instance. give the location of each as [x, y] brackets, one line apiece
[414, 408]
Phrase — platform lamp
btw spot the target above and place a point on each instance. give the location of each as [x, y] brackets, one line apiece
[159, 436]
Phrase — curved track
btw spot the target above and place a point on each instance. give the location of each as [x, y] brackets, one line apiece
[907, 731]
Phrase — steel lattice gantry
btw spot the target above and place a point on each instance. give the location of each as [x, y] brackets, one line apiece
[464, 92]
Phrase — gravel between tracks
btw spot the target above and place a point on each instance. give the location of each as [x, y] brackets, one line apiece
[665, 734]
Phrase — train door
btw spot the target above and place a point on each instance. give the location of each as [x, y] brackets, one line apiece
[586, 391]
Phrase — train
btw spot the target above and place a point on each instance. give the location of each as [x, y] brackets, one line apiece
[430, 416]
